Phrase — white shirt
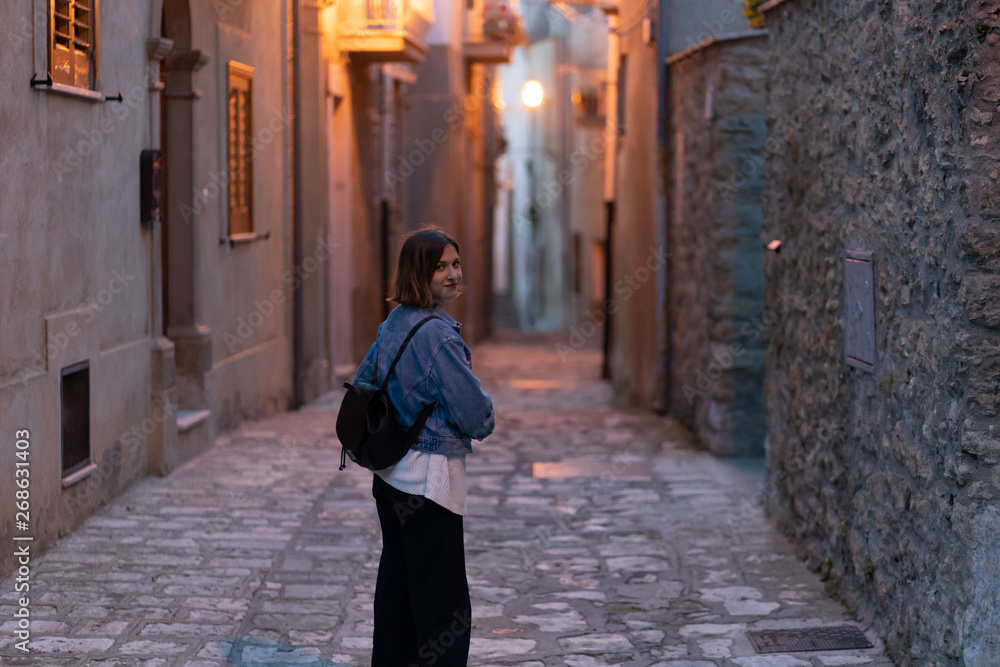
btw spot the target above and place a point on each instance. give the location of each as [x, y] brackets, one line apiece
[437, 477]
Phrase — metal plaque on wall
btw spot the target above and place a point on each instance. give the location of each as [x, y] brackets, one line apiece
[859, 310]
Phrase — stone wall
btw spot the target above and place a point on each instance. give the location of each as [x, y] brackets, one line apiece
[717, 293]
[883, 137]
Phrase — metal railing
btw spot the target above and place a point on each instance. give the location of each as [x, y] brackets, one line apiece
[358, 17]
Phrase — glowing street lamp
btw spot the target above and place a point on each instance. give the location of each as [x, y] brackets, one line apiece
[531, 94]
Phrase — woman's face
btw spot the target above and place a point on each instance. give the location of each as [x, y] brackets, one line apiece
[447, 276]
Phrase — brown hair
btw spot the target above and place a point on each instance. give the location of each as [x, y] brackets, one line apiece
[418, 259]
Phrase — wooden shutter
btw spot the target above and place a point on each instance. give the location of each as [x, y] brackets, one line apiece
[73, 42]
[240, 133]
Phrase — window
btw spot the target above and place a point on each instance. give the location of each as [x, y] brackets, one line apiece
[73, 43]
[240, 132]
[75, 418]
[588, 98]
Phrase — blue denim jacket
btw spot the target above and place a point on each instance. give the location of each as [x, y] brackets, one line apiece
[436, 366]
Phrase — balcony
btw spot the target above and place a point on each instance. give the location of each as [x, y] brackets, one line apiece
[493, 28]
[384, 30]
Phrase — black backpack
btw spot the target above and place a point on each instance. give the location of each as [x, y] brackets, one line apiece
[367, 426]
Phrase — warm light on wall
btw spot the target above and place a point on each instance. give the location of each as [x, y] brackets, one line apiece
[498, 95]
[531, 94]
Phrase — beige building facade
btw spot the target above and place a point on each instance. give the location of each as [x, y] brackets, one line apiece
[182, 251]
[657, 225]
[136, 327]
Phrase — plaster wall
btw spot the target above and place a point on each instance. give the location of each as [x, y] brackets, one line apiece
[244, 291]
[538, 232]
[368, 294]
[448, 23]
[637, 253]
[342, 154]
[320, 247]
[75, 265]
[582, 173]
[433, 161]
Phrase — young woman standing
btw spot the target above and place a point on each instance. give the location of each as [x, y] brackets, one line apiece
[423, 614]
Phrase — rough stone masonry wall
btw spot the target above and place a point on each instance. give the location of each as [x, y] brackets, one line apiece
[717, 295]
[884, 135]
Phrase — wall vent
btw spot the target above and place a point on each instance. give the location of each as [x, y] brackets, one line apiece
[859, 306]
[75, 418]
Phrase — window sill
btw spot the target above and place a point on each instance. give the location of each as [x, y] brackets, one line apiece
[238, 239]
[72, 91]
[78, 476]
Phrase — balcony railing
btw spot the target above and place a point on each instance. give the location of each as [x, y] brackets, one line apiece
[384, 30]
[493, 28]
[361, 16]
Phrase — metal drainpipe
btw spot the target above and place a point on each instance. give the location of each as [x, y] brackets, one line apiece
[385, 120]
[663, 221]
[298, 320]
[610, 160]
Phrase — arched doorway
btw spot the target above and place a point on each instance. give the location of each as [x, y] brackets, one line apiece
[179, 320]
[182, 351]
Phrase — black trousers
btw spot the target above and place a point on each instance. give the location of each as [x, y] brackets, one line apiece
[423, 614]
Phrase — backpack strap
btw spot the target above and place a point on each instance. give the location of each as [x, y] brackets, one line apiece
[401, 348]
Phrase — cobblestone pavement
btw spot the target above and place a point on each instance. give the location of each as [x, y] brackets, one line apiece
[261, 553]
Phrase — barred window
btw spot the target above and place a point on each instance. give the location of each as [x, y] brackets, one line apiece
[240, 133]
[73, 43]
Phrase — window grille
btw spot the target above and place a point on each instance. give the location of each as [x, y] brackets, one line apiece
[73, 43]
[240, 133]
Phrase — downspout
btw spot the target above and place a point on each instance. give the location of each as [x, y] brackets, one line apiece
[664, 282]
[610, 161]
[298, 319]
[385, 226]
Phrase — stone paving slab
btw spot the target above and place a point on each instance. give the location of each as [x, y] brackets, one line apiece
[260, 552]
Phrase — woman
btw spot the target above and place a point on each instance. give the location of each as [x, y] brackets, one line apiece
[423, 614]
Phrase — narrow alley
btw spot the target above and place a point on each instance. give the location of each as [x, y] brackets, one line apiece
[594, 536]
